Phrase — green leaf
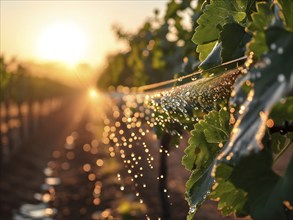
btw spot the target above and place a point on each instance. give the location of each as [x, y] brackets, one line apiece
[202, 142]
[261, 19]
[199, 185]
[286, 13]
[230, 199]
[215, 16]
[227, 48]
[271, 79]
[200, 155]
[214, 57]
[197, 152]
[233, 45]
[205, 49]
[262, 192]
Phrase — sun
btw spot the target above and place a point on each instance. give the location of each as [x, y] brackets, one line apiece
[92, 92]
[64, 42]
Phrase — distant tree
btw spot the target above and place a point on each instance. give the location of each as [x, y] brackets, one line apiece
[161, 48]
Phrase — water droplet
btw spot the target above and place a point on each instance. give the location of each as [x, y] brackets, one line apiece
[281, 78]
[267, 61]
[273, 46]
[280, 50]
[192, 209]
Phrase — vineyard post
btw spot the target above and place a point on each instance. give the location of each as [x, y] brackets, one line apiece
[1, 140]
[163, 172]
[21, 119]
[9, 134]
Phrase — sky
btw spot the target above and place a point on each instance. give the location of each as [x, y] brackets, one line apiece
[28, 28]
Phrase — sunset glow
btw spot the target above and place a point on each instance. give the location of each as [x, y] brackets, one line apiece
[70, 31]
[63, 42]
[92, 92]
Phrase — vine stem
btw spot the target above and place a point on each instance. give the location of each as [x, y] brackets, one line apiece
[163, 176]
[282, 129]
[164, 83]
[282, 152]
